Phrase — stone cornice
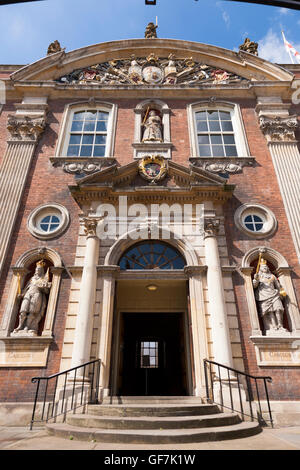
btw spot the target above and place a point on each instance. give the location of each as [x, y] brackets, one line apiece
[61, 63]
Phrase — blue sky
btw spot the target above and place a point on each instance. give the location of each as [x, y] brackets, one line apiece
[27, 29]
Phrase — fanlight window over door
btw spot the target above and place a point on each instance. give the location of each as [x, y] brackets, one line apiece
[152, 255]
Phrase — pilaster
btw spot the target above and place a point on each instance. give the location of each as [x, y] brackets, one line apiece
[279, 129]
[25, 129]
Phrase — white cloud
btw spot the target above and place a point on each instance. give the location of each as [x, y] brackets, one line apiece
[225, 15]
[284, 11]
[271, 47]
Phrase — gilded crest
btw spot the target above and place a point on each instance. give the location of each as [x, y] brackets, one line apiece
[153, 168]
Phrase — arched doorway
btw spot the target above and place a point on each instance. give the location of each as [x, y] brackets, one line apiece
[151, 341]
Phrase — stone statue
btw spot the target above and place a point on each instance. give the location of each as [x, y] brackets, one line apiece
[34, 301]
[54, 47]
[249, 46]
[153, 128]
[150, 32]
[268, 294]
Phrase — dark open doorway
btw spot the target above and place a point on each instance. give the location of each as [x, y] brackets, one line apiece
[152, 358]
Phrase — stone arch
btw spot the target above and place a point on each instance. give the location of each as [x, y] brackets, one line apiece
[37, 253]
[269, 254]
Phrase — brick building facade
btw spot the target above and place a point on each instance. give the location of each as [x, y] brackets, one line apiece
[76, 135]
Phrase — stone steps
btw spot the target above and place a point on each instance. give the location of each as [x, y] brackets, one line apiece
[153, 422]
[145, 421]
[147, 436]
[152, 410]
[159, 400]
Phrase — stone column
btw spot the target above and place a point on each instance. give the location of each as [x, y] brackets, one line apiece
[217, 307]
[25, 133]
[280, 135]
[108, 273]
[198, 326]
[85, 317]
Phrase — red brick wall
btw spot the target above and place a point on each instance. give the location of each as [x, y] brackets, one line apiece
[259, 185]
[49, 184]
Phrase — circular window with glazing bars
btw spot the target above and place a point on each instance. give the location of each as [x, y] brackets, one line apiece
[152, 255]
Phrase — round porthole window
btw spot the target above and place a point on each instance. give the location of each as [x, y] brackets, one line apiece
[48, 221]
[255, 220]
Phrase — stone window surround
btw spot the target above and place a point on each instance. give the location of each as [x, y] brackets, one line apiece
[269, 219]
[266, 346]
[70, 109]
[42, 211]
[29, 351]
[237, 123]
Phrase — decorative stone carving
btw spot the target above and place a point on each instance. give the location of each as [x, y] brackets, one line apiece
[83, 168]
[153, 168]
[150, 70]
[54, 47]
[25, 128]
[211, 227]
[221, 167]
[90, 225]
[279, 129]
[34, 302]
[268, 294]
[150, 32]
[249, 46]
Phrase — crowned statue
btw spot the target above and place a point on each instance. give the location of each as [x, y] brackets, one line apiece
[152, 127]
[268, 295]
[34, 301]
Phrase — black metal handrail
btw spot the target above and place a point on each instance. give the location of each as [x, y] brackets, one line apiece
[212, 377]
[73, 397]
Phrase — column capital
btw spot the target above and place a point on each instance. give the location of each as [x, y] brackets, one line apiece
[279, 129]
[25, 128]
[90, 225]
[211, 227]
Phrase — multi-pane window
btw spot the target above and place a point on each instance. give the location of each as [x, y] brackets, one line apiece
[49, 223]
[215, 134]
[149, 354]
[152, 255]
[253, 222]
[88, 134]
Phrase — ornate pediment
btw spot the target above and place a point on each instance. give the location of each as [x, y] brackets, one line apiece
[176, 182]
[150, 70]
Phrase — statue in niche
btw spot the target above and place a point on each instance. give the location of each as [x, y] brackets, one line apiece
[152, 127]
[268, 293]
[34, 301]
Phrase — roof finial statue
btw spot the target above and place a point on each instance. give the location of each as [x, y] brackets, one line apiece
[249, 46]
[150, 32]
[54, 47]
